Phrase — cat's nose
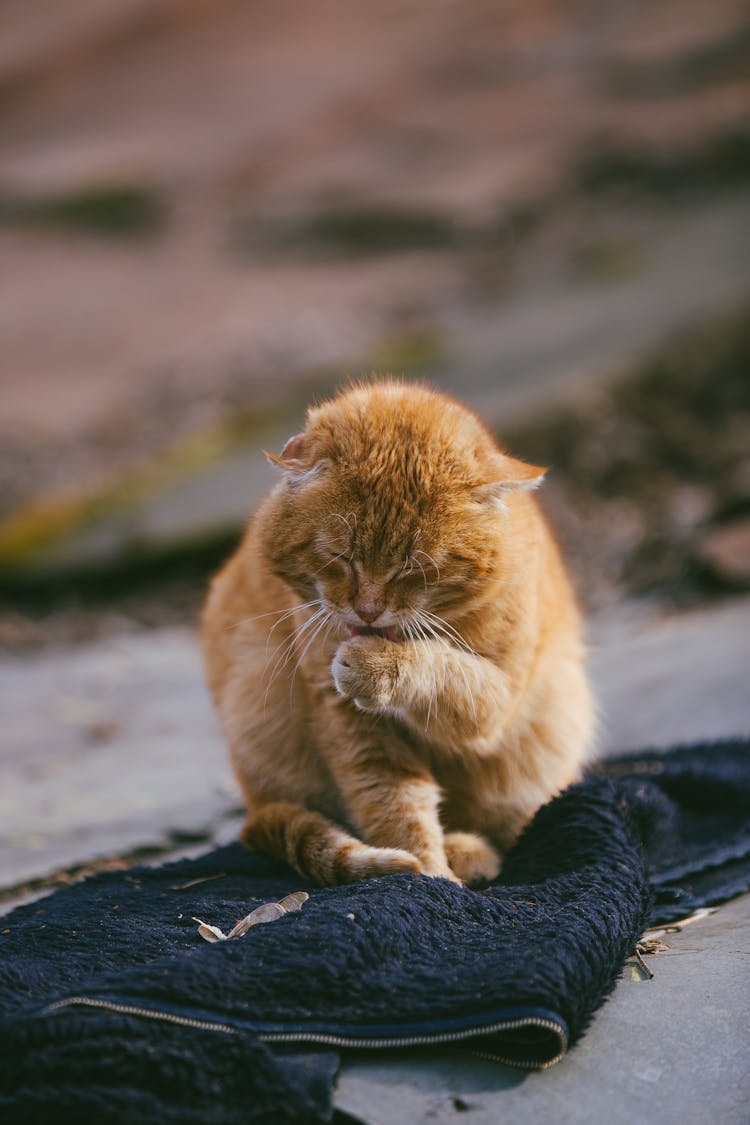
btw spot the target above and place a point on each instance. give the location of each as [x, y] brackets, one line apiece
[368, 611]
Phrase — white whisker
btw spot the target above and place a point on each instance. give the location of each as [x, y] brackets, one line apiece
[288, 648]
[280, 613]
[338, 516]
[285, 648]
[326, 620]
[413, 559]
[431, 629]
[417, 637]
[308, 605]
[433, 689]
[336, 558]
[449, 631]
[304, 628]
[430, 559]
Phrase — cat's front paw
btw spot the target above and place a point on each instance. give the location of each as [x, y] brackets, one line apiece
[473, 859]
[366, 670]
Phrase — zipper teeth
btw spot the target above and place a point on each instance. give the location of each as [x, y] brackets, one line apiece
[433, 1040]
[519, 1064]
[340, 1040]
[134, 1010]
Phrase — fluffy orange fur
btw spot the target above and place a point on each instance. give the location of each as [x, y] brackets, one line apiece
[394, 650]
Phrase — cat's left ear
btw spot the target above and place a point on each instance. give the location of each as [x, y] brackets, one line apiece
[296, 455]
[512, 476]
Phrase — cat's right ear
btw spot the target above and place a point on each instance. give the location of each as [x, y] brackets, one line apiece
[296, 456]
[512, 476]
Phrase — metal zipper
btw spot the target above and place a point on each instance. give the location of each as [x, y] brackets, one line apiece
[134, 1010]
[340, 1040]
[437, 1039]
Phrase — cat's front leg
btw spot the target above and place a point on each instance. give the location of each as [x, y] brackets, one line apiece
[392, 800]
[457, 699]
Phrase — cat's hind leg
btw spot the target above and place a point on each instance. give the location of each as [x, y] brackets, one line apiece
[317, 849]
[472, 858]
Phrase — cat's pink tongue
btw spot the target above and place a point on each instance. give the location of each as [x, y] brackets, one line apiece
[388, 632]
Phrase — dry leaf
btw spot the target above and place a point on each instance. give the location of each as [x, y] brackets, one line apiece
[653, 945]
[210, 933]
[268, 912]
[294, 901]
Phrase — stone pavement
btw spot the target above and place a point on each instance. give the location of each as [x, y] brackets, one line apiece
[106, 750]
[680, 678]
[112, 749]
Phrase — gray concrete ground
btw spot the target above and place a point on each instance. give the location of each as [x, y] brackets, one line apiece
[676, 678]
[122, 752]
[107, 749]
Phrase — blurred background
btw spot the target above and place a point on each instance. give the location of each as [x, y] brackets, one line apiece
[214, 211]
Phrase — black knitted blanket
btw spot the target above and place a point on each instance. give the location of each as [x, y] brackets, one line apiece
[113, 1009]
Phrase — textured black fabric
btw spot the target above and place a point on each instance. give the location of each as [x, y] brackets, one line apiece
[696, 803]
[388, 959]
[89, 1066]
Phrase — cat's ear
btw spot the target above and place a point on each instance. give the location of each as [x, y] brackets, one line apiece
[296, 455]
[512, 476]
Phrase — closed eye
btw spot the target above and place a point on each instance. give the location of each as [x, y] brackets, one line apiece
[394, 572]
[331, 557]
[425, 565]
[335, 549]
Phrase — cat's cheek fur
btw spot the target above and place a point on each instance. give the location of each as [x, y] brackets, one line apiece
[367, 670]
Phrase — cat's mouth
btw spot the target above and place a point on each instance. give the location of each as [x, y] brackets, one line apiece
[390, 633]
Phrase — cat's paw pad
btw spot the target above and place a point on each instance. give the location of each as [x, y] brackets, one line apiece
[471, 857]
[365, 670]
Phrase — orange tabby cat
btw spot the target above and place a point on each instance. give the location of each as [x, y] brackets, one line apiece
[394, 650]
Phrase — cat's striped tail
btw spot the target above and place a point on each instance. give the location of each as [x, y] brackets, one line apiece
[317, 849]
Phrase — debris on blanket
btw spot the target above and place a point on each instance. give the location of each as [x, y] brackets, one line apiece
[651, 942]
[210, 933]
[196, 882]
[268, 912]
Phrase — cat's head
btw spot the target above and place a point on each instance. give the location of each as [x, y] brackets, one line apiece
[396, 507]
